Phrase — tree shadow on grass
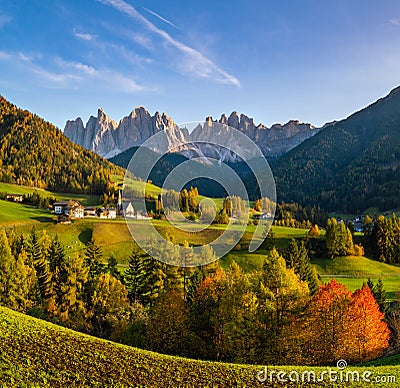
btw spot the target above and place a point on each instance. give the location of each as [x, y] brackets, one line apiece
[85, 235]
[42, 219]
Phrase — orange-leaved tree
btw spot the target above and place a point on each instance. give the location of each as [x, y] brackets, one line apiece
[338, 324]
[366, 335]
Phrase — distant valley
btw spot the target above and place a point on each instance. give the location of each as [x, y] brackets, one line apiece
[350, 165]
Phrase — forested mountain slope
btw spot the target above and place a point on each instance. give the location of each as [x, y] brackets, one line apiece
[349, 166]
[34, 152]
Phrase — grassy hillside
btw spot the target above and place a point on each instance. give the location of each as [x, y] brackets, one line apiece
[37, 353]
[354, 271]
[84, 199]
[16, 214]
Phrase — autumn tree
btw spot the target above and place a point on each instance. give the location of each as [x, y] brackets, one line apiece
[205, 321]
[72, 308]
[238, 314]
[111, 309]
[7, 263]
[20, 283]
[340, 325]
[168, 328]
[281, 294]
[365, 335]
[14, 277]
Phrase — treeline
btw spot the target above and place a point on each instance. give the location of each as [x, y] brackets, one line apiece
[187, 202]
[297, 216]
[271, 316]
[34, 152]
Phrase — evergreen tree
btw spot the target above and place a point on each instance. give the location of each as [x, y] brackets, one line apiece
[43, 274]
[297, 258]
[269, 240]
[93, 256]
[112, 269]
[371, 285]
[193, 283]
[292, 254]
[133, 275]
[144, 277]
[379, 294]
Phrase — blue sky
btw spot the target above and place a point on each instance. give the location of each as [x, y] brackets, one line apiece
[310, 60]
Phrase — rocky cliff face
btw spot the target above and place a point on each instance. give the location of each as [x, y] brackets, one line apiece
[108, 138]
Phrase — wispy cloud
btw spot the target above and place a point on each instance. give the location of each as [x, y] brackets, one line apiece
[160, 17]
[194, 61]
[5, 56]
[395, 21]
[62, 74]
[5, 19]
[84, 36]
[108, 78]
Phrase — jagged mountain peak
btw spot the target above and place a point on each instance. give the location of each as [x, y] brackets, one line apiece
[106, 137]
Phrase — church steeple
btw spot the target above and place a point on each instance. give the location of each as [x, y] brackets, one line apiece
[119, 208]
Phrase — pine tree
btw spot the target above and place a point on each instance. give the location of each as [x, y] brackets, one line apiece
[133, 275]
[112, 269]
[43, 274]
[93, 256]
[193, 283]
[144, 277]
[371, 285]
[269, 240]
[379, 294]
[297, 258]
[292, 254]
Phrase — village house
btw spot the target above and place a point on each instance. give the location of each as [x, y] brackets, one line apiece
[90, 212]
[77, 211]
[59, 207]
[69, 208]
[15, 197]
[107, 213]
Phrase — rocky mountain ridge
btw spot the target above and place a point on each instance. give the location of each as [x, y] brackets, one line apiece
[109, 138]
